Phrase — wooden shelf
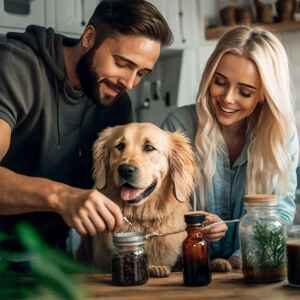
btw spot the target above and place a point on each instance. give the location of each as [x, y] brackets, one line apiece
[216, 32]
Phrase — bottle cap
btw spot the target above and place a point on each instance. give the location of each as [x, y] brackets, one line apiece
[260, 199]
[128, 238]
[194, 218]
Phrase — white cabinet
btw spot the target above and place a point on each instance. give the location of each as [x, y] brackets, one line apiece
[182, 17]
[18, 15]
[71, 16]
[190, 22]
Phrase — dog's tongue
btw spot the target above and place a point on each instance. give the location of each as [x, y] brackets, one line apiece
[128, 193]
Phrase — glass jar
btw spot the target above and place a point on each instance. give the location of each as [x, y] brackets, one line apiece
[129, 262]
[196, 263]
[262, 240]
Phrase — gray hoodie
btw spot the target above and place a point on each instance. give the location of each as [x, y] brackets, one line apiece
[53, 125]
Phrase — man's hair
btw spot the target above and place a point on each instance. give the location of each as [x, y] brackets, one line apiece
[130, 17]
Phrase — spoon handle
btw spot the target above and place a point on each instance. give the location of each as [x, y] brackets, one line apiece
[156, 234]
[127, 221]
[221, 222]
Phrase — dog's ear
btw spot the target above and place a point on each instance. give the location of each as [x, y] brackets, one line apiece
[101, 157]
[182, 166]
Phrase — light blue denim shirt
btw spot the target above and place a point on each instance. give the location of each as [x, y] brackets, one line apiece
[225, 196]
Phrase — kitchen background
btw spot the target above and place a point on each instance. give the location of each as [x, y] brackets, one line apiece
[196, 25]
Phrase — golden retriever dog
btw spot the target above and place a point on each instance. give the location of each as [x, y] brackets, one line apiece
[150, 173]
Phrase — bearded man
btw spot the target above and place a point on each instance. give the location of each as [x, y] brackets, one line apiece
[56, 95]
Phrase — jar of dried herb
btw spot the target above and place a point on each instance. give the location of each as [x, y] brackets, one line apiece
[129, 262]
[262, 240]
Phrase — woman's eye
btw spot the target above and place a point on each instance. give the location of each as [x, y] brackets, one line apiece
[148, 148]
[245, 93]
[120, 146]
[219, 81]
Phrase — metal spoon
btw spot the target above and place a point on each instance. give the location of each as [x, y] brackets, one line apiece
[157, 234]
[221, 222]
[127, 221]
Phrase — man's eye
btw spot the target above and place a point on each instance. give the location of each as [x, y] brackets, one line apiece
[142, 74]
[148, 148]
[121, 64]
[120, 146]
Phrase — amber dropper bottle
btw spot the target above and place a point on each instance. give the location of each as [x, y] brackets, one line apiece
[196, 262]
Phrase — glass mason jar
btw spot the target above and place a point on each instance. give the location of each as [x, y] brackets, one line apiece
[262, 240]
[129, 262]
[196, 262]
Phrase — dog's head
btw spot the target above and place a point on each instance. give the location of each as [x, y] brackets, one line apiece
[139, 159]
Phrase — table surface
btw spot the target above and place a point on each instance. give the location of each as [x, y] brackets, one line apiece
[226, 286]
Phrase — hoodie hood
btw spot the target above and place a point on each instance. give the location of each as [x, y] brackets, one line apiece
[46, 44]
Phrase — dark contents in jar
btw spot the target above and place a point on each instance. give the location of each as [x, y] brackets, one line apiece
[263, 274]
[293, 256]
[130, 269]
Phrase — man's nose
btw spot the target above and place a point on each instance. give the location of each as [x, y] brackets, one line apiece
[129, 80]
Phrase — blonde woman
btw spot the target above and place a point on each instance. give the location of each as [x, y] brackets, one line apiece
[244, 134]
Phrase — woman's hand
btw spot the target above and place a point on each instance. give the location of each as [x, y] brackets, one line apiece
[235, 261]
[214, 232]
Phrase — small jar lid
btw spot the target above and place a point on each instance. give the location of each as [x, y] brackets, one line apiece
[260, 199]
[128, 238]
[194, 218]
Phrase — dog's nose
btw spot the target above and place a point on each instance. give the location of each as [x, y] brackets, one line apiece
[127, 171]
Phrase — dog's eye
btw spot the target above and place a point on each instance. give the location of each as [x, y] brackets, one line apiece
[148, 148]
[120, 146]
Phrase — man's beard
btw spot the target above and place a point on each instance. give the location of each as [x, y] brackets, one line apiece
[90, 81]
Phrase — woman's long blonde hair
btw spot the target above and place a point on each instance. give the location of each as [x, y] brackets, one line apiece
[272, 124]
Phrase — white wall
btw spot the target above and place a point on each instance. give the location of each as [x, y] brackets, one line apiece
[291, 41]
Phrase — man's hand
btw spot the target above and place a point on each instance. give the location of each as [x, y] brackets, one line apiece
[215, 232]
[88, 211]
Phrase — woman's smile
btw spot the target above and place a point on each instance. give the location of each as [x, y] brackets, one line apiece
[234, 90]
[227, 110]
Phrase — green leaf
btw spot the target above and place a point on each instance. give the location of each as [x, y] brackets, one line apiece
[50, 270]
[267, 248]
[32, 241]
[3, 236]
[55, 280]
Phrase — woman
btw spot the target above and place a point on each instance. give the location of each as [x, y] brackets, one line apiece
[244, 133]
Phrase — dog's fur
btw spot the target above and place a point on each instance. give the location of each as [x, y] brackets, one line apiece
[157, 156]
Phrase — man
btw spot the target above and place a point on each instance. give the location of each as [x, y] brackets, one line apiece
[56, 94]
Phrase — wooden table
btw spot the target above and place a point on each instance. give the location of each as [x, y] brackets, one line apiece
[229, 286]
